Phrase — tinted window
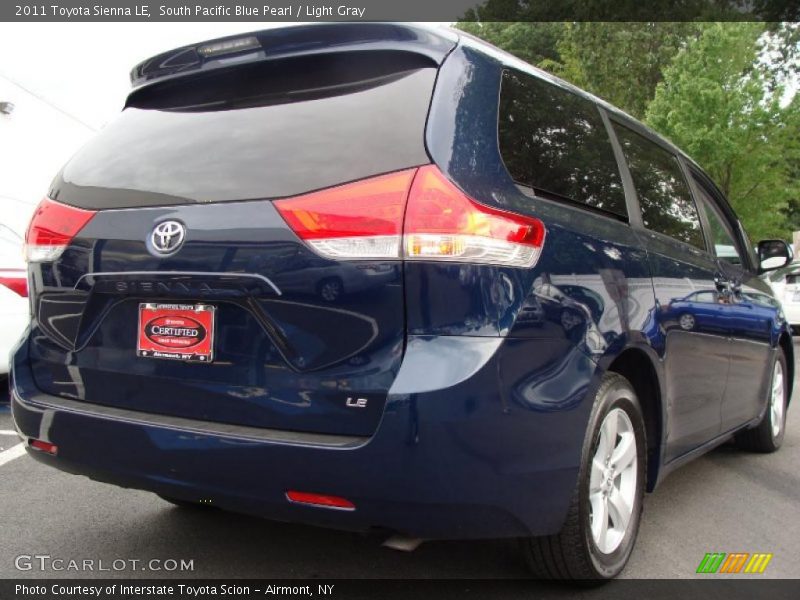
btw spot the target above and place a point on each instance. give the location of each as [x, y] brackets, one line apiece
[664, 196]
[277, 131]
[725, 246]
[555, 143]
[762, 299]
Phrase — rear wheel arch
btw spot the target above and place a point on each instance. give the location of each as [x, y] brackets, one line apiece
[639, 368]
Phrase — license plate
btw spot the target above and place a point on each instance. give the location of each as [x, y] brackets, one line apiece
[176, 331]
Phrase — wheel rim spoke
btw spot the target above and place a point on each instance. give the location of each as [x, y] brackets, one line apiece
[618, 509]
[596, 476]
[608, 436]
[777, 400]
[625, 452]
[599, 519]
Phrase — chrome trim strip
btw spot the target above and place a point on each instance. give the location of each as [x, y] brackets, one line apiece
[238, 432]
[178, 274]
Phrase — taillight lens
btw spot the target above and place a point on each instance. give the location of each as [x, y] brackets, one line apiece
[16, 280]
[416, 214]
[353, 221]
[442, 223]
[52, 228]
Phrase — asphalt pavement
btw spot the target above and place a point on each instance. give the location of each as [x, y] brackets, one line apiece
[726, 501]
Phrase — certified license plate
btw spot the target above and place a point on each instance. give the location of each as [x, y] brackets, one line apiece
[176, 331]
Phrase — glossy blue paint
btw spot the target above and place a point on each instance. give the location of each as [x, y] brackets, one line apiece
[433, 468]
[479, 379]
[278, 363]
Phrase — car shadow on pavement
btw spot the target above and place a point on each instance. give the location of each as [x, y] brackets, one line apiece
[230, 545]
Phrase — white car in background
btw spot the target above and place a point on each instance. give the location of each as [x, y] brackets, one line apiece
[14, 311]
[785, 283]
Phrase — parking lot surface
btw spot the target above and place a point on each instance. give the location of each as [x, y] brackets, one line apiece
[726, 501]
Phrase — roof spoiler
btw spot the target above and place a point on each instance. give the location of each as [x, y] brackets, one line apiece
[283, 42]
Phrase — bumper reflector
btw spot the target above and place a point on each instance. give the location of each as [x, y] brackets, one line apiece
[43, 446]
[319, 500]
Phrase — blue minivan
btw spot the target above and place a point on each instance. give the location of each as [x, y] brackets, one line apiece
[377, 276]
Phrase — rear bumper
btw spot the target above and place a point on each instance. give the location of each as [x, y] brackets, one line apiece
[456, 454]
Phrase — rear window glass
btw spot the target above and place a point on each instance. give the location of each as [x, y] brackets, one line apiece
[262, 131]
[664, 196]
[555, 143]
[719, 232]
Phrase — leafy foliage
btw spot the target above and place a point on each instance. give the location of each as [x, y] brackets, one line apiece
[723, 107]
[622, 62]
[535, 43]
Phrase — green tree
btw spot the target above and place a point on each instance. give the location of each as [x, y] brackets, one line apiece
[630, 11]
[722, 103]
[536, 43]
[622, 62]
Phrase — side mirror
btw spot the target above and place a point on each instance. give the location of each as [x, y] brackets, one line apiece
[774, 254]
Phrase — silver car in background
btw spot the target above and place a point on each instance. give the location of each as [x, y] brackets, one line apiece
[786, 284]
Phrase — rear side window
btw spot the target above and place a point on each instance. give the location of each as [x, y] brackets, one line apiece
[554, 143]
[725, 246]
[704, 297]
[264, 130]
[664, 196]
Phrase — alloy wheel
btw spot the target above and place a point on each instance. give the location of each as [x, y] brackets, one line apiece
[777, 401]
[686, 322]
[330, 290]
[612, 483]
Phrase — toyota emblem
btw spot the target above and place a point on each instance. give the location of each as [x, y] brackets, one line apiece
[167, 237]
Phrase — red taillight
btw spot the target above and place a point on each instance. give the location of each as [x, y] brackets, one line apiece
[43, 446]
[416, 214]
[320, 500]
[52, 228]
[356, 220]
[443, 223]
[16, 280]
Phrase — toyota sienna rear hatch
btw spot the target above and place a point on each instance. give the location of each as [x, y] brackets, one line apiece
[223, 250]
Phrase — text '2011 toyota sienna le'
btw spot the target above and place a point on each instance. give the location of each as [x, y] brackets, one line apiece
[379, 276]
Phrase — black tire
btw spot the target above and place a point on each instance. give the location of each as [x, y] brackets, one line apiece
[186, 503]
[572, 554]
[761, 438]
